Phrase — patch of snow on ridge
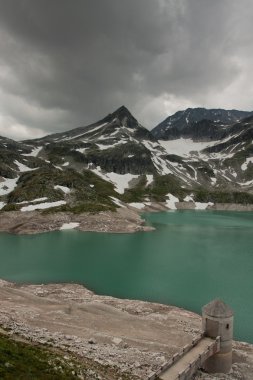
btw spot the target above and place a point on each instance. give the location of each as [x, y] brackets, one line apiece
[104, 147]
[8, 185]
[34, 152]
[65, 189]
[2, 204]
[202, 206]
[183, 147]
[245, 164]
[171, 202]
[22, 167]
[69, 226]
[41, 206]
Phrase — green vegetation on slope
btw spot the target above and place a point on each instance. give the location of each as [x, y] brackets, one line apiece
[203, 195]
[23, 361]
[88, 192]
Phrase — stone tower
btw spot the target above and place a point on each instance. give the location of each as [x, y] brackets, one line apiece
[217, 320]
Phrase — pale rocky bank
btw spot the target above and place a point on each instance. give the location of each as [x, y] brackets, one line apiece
[133, 338]
[126, 219]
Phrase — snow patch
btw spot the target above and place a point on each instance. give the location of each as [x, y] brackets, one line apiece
[171, 202]
[117, 202]
[22, 167]
[34, 152]
[65, 189]
[104, 147]
[34, 200]
[189, 198]
[137, 205]
[81, 150]
[245, 164]
[150, 179]
[41, 206]
[121, 181]
[2, 204]
[182, 147]
[160, 165]
[8, 185]
[202, 206]
[248, 183]
[69, 226]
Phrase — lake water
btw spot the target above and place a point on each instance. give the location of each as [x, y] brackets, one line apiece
[191, 258]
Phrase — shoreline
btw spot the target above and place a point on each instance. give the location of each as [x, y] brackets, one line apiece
[126, 219]
[132, 337]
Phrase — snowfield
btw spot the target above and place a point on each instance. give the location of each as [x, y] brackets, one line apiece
[121, 181]
[8, 185]
[183, 147]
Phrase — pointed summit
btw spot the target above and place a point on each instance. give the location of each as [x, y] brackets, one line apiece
[124, 116]
[123, 111]
[217, 308]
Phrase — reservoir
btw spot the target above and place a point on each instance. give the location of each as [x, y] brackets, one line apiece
[191, 258]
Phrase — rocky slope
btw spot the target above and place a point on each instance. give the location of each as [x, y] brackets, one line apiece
[116, 162]
[198, 122]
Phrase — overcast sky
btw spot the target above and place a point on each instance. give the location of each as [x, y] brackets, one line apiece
[67, 63]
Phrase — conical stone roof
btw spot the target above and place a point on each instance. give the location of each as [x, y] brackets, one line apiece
[217, 308]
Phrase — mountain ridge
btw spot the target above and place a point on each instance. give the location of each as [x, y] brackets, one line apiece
[116, 161]
[173, 126]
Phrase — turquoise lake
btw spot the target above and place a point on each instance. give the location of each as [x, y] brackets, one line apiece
[191, 258]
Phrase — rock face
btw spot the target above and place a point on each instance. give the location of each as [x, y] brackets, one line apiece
[134, 337]
[188, 122]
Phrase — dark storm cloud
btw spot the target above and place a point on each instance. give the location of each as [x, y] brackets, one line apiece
[65, 63]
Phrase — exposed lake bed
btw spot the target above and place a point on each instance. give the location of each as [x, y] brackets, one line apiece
[117, 338]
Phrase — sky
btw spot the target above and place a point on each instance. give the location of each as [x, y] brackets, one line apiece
[65, 63]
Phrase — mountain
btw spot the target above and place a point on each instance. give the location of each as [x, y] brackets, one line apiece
[198, 123]
[93, 167]
[116, 161]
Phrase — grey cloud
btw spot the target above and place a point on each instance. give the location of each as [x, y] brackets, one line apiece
[70, 63]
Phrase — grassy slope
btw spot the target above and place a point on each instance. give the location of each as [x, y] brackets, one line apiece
[23, 361]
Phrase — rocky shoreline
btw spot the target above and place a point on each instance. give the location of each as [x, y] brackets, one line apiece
[125, 220]
[134, 338]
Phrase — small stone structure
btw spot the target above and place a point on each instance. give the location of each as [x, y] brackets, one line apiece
[217, 320]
